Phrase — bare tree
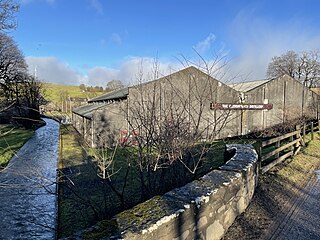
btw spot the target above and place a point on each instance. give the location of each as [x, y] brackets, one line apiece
[114, 85]
[64, 95]
[309, 68]
[304, 66]
[32, 97]
[8, 8]
[20, 90]
[173, 125]
[13, 67]
[170, 133]
[82, 87]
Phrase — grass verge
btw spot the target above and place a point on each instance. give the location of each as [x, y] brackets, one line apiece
[276, 193]
[71, 156]
[11, 140]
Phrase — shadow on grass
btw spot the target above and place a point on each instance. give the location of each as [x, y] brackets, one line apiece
[86, 199]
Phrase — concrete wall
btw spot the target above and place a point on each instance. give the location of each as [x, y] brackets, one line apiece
[182, 96]
[80, 123]
[104, 125]
[187, 95]
[83, 126]
[202, 209]
[108, 122]
[289, 98]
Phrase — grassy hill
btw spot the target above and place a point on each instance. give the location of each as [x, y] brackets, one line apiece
[58, 93]
[53, 92]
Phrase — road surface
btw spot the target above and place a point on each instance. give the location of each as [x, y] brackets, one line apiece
[303, 221]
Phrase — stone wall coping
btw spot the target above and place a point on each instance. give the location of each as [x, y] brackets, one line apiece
[148, 216]
[175, 202]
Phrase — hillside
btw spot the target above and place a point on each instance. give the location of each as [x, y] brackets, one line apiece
[53, 92]
[59, 95]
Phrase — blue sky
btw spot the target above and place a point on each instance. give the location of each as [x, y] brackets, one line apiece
[95, 41]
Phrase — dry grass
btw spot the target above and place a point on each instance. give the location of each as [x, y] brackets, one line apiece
[276, 193]
[11, 140]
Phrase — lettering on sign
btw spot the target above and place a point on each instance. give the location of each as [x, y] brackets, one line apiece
[241, 106]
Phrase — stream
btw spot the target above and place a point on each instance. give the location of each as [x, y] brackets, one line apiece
[27, 188]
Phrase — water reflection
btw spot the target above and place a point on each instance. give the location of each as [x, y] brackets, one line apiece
[27, 187]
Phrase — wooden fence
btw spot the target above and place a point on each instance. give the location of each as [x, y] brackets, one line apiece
[276, 150]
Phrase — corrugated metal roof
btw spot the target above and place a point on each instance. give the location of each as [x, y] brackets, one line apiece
[247, 86]
[88, 110]
[117, 94]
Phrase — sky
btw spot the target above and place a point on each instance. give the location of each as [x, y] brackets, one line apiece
[96, 41]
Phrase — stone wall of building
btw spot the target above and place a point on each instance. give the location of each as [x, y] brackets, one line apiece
[202, 209]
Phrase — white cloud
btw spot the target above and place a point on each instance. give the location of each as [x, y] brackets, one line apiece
[205, 45]
[151, 68]
[50, 69]
[53, 70]
[99, 76]
[96, 5]
[257, 40]
[128, 71]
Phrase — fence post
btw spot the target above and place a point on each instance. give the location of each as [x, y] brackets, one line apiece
[312, 136]
[304, 133]
[259, 152]
[298, 136]
[292, 147]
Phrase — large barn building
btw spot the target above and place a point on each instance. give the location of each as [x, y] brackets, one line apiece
[289, 98]
[183, 96]
[193, 100]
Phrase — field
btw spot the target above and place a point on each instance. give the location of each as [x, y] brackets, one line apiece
[11, 140]
[84, 198]
[57, 93]
[53, 91]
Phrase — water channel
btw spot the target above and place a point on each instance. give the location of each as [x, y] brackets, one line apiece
[27, 188]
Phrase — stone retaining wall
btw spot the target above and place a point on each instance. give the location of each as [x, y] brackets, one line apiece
[202, 209]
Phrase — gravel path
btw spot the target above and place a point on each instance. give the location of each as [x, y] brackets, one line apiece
[27, 187]
[303, 220]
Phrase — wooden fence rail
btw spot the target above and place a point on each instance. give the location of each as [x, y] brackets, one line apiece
[275, 150]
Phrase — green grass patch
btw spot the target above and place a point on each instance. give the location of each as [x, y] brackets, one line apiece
[53, 92]
[72, 154]
[71, 157]
[83, 190]
[303, 165]
[290, 174]
[11, 140]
